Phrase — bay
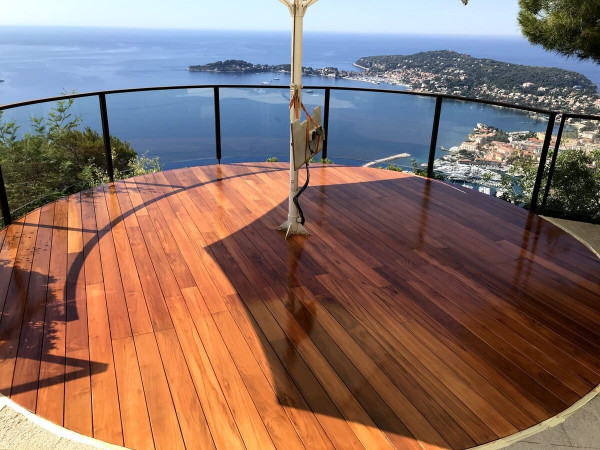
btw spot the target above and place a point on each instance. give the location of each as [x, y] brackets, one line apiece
[178, 125]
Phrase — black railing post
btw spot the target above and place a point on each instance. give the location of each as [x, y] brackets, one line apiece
[543, 156]
[326, 121]
[434, 135]
[217, 123]
[553, 162]
[106, 137]
[4, 202]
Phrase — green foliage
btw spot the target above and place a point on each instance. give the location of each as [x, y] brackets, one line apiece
[394, 168]
[423, 173]
[501, 136]
[569, 27]
[322, 161]
[475, 72]
[273, 159]
[518, 184]
[57, 158]
[575, 189]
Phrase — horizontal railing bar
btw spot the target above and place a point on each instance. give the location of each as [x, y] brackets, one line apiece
[434, 95]
[580, 116]
[336, 88]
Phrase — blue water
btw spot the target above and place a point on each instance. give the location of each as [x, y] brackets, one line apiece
[178, 126]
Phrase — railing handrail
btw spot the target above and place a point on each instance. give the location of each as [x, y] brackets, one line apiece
[271, 86]
[439, 98]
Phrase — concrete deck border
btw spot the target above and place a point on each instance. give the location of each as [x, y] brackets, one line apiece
[56, 430]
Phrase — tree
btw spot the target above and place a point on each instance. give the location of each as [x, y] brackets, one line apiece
[56, 158]
[568, 27]
[575, 189]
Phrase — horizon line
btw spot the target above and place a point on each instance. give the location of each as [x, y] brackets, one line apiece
[307, 31]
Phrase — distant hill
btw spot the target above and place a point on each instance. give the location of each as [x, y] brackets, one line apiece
[240, 66]
[466, 72]
[452, 73]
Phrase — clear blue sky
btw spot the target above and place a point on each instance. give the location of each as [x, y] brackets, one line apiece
[480, 17]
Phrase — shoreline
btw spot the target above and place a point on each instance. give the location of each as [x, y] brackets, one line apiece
[389, 158]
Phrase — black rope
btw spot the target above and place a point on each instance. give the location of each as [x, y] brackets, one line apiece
[297, 196]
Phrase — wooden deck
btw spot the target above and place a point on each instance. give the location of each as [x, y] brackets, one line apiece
[166, 312]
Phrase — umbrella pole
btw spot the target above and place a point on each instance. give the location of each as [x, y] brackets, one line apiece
[297, 9]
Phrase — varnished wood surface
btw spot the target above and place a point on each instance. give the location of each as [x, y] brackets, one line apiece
[164, 311]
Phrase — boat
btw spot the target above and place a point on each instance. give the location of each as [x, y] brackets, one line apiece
[266, 83]
[276, 79]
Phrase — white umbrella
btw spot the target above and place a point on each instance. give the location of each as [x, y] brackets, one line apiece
[297, 9]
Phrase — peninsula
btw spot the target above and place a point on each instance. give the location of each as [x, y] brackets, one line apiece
[449, 72]
[239, 66]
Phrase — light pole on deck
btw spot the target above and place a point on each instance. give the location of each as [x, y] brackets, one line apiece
[297, 10]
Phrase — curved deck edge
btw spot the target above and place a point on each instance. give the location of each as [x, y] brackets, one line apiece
[559, 418]
[542, 426]
[54, 429]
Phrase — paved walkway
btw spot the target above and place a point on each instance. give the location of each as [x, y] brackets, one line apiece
[580, 431]
[19, 432]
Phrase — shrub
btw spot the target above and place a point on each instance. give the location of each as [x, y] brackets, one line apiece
[57, 158]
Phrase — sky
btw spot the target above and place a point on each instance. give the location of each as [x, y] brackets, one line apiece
[480, 17]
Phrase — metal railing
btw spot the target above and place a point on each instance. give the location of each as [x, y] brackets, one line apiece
[565, 117]
[439, 99]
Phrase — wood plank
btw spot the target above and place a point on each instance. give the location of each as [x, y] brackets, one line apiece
[218, 414]
[118, 314]
[51, 394]
[137, 432]
[16, 297]
[27, 367]
[105, 399]
[326, 412]
[192, 421]
[78, 394]
[248, 419]
[397, 401]
[163, 418]
[148, 279]
[109, 215]
[290, 397]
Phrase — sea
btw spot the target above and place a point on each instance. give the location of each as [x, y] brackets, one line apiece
[177, 125]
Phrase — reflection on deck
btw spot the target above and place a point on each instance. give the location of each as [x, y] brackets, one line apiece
[165, 311]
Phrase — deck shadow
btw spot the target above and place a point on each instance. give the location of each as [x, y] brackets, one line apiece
[309, 301]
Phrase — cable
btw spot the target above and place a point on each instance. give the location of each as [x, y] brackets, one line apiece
[297, 196]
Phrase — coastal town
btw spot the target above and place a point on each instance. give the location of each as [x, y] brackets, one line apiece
[487, 156]
[452, 73]
[486, 159]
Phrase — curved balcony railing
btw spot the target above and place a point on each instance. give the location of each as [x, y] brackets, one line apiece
[89, 138]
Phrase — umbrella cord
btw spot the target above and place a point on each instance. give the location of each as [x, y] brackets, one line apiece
[300, 192]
